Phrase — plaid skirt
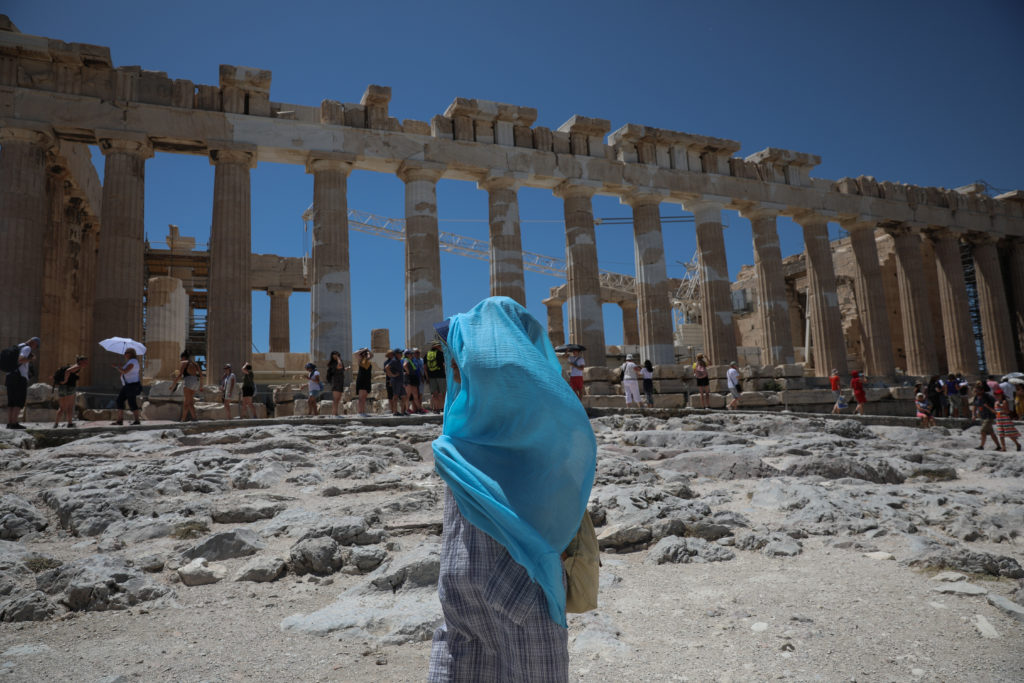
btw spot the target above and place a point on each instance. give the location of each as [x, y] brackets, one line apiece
[496, 626]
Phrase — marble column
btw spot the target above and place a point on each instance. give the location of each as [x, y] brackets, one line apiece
[827, 341]
[772, 306]
[25, 212]
[120, 267]
[87, 296]
[229, 301]
[961, 353]
[655, 329]
[1015, 248]
[422, 252]
[716, 299]
[586, 320]
[556, 325]
[506, 242]
[996, 331]
[872, 311]
[280, 324]
[330, 289]
[55, 295]
[918, 339]
[630, 329]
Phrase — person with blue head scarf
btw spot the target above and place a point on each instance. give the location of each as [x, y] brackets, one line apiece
[517, 453]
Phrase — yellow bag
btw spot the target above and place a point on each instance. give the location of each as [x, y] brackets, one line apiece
[581, 561]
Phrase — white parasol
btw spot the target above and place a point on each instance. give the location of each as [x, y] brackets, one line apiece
[122, 344]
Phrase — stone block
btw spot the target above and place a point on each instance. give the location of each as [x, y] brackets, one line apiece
[603, 401]
[162, 389]
[284, 409]
[759, 399]
[38, 414]
[441, 127]
[161, 411]
[716, 401]
[99, 415]
[902, 393]
[415, 127]
[789, 370]
[597, 388]
[523, 136]
[41, 394]
[684, 371]
[355, 115]
[806, 397]
[717, 371]
[670, 400]
[721, 385]
[877, 393]
[597, 373]
[560, 143]
[673, 386]
[542, 139]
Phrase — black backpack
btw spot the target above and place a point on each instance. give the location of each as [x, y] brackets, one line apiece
[58, 377]
[9, 358]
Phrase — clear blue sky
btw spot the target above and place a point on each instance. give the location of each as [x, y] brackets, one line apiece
[928, 93]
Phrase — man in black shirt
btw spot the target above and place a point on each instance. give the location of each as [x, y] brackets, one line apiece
[436, 377]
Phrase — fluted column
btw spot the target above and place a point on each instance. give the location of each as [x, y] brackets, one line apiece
[87, 294]
[827, 341]
[995, 314]
[55, 266]
[655, 328]
[716, 300]
[229, 313]
[24, 211]
[120, 267]
[914, 305]
[772, 306]
[506, 243]
[871, 307]
[280, 325]
[556, 326]
[586, 320]
[961, 353]
[330, 289]
[1015, 247]
[630, 329]
[422, 252]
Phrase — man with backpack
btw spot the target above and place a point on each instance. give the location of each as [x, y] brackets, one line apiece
[15, 362]
[436, 377]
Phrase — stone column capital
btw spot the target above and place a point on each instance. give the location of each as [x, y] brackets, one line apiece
[118, 142]
[643, 197]
[899, 229]
[498, 181]
[753, 211]
[939, 232]
[856, 223]
[279, 291]
[980, 239]
[37, 135]
[553, 301]
[330, 161]
[574, 188]
[704, 203]
[429, 171]
[233, 155]
[806, 217]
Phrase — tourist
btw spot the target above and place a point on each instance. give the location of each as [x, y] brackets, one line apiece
[248, 391]
[131, 386]
[700, 373]
[837, 391]
[985, 410]
[336, 378]
[66, 391]
[364, 377]
[1004, 421]
[733, 381]
[392, 399]
[576, 365]
[188, 373]
[630, 381]
[436, 377]
[647, 374]
[1018, 401]
[17, 380]
[500, 582]
[314, 385]
[412, 382]
[393, 369]
[952, 387]
[859, 395]
[924, 411]
[421, 368]
[1009, 391]
[936, 394]
[228, 382]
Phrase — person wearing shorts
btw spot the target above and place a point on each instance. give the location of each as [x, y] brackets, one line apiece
[576, 365]
[733, 377]
[393, 369]
[364, 377]
[985, 410]
[436, 377]
[700, 373]
[248, 391]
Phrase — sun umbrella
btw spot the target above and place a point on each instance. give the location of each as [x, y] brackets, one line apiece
[1016, 380]
[122, 344]
[1013, 375]
[562, 348]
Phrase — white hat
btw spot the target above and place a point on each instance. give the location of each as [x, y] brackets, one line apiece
[629, 356]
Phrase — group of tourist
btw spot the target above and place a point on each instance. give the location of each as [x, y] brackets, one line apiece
[408, 376]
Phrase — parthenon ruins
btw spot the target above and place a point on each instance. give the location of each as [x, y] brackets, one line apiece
[73, 248]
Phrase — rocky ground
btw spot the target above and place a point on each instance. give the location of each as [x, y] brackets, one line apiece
[737, 547]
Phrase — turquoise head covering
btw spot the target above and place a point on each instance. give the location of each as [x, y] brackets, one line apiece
[517, 448]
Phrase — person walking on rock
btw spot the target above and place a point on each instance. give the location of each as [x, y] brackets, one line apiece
[393, 369]
[364, 377]
[1004, 421]
[188, 374]
[837, 392]
[228, 382]
[733, 380]
[16, 382]
[985, 410]
[248, 391]
[859, 395]
[66, 391]
[630, 381]
[700, 373]
[517, 455]
[336, 378]
[131, 386]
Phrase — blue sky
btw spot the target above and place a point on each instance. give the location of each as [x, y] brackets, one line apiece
[919, 92]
